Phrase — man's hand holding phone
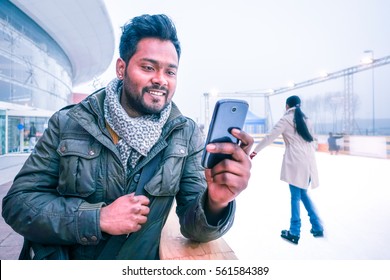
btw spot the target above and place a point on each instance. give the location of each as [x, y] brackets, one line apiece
[230, 177]
[226, 156]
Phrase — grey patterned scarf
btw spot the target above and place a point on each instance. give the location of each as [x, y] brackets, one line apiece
[136, 135]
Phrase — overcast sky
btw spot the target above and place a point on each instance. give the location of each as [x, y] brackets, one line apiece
[254, 45]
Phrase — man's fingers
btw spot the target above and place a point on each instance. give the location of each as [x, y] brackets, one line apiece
[245, 139]
[141, 199]
[246, 143]
[237, 153]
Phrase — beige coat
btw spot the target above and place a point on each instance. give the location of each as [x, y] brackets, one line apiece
[299, 166]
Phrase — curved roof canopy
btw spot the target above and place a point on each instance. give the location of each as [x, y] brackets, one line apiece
[83, 29]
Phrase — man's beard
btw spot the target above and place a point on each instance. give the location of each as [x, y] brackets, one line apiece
[137, 102]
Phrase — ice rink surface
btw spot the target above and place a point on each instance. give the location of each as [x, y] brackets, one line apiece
[353, 201]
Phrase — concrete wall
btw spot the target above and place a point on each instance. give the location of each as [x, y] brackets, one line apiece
[374, 146]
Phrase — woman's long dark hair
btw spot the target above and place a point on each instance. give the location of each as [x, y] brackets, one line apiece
[299, 118]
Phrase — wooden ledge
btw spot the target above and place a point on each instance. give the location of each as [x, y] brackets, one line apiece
[174, 246]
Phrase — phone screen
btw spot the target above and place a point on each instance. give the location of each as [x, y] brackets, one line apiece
[228, 114]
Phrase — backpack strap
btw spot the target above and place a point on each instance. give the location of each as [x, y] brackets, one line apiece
[115, 243]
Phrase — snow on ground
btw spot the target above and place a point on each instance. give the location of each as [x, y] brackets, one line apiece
[353, 200]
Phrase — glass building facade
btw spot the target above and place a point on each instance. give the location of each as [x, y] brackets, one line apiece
[2, 131]
[18, 133]
[34, 72]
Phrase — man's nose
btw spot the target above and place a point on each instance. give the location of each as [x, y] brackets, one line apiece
[160, 79]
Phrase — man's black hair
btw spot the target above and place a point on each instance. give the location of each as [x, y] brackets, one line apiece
[146, 26]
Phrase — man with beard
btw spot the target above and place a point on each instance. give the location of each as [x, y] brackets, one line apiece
[102, 179]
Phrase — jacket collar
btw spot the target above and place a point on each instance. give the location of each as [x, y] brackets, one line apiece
[289, 110]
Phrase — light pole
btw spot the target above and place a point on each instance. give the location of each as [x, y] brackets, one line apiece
[371, 52]
[206, 110]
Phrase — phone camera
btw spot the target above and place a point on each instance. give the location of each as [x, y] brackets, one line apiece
[234, 109]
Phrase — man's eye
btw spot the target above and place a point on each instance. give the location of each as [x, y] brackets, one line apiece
[147, 68]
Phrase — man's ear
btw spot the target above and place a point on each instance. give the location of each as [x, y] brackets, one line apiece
[120, 68]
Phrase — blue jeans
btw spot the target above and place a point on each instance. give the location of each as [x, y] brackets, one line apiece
[298, 194]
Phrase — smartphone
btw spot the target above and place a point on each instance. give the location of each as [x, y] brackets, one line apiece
[228, 114]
